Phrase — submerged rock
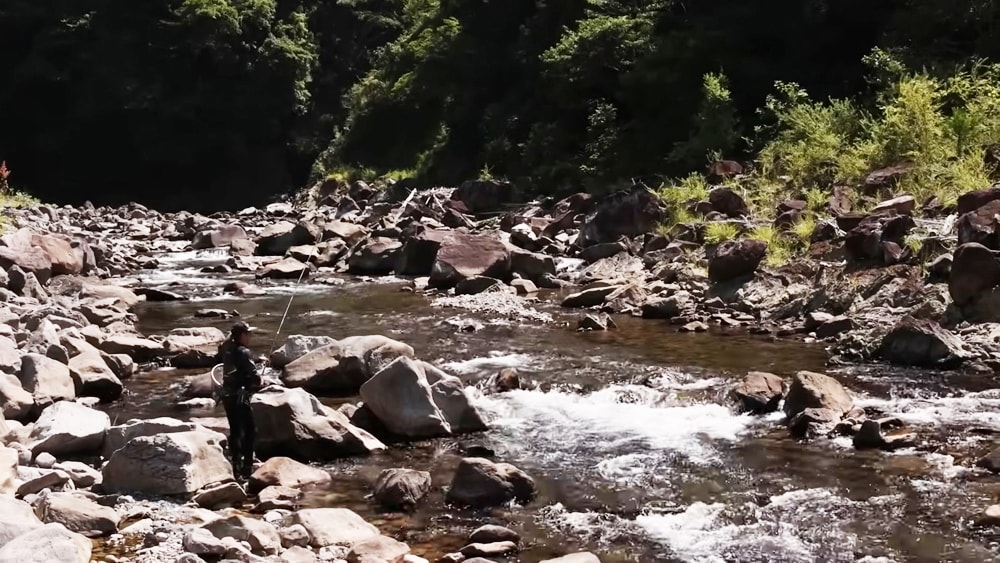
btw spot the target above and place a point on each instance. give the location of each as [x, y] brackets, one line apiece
[480, 483]
[759, 392]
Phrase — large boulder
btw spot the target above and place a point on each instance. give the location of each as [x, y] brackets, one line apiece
[193, 348]
[342, 367]
[8, 470]
[285, 269]
[47, 544]
[736, 258]
[922, 343]
[262, 536]
[338, 527]
[401, 398]
[136, 347]
[79, 514]
[286, 472]
[463, 256]
[401, 488]
[759, 392]
[15, 402]
[293, 423]
[277, 238]
[16, 518]
[480, 196]
[178, 463]
[480, 483]
[974, 270]
[67, 428]
[297, 346]
[375, 257]
[981, 226]
[879, 237]
[811, 390]
[93, 377]
[218, 238]
[117, 436]
[625, 213]
[46, 379]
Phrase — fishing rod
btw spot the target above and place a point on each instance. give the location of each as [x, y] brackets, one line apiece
[217, 381]
[288, 306]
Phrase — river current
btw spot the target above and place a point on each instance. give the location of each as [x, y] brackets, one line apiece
[628, 434]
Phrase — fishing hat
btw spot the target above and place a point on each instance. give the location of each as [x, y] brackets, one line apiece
[240, 328]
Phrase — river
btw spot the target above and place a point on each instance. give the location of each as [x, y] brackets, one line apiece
[627, 433]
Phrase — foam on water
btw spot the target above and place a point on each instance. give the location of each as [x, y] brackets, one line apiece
[798, 526]
[490, 364]
[973, 409]
[610, 423]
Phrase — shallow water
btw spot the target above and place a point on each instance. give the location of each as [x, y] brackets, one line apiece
[636, 456]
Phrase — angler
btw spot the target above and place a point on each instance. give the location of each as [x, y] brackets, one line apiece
[240, 380]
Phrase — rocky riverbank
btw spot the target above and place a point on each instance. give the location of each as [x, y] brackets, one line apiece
[72, 277]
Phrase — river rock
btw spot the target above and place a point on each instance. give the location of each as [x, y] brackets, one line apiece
[922, 343]
[10, 357]
[815, 390]
[463, 256]
[119, 435]
[138, 348]
[287, 268]
[15, 402]
[401, 398]
[262, 537]
[451, 396]
[297, 346]
[193, 348]
[480, 482]
[590, 297]
[67, 428]
[47, 544]
[78, 513]
[980, 226]
[759, 392]
[375, 257]
[293, 423]
[334, 526]
[178, 463]
[974, 269]
[34, 480]
[277, 238]
[8, 472]
[581, 557]
[47, 380]
[625, 213]
[218, 238]
[80, 473]
[342, 367]
[33, 261]
[492, 534]
[378, 549]
[401, 488]
[286, 472]
[496, 549]
[735, 259]
[277, 498]
[16, 518]
[93, 377]
[216, 496]
[200, 541]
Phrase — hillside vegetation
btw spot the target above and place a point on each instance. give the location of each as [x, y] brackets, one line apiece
[220, 103]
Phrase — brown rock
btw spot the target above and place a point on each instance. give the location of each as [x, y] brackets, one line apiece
[759, 392]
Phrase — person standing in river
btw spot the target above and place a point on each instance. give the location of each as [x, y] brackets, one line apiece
[239, 382]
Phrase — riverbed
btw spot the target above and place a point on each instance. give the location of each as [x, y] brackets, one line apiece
[628, 433]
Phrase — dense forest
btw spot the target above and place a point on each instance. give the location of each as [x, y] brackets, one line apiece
[203, 104]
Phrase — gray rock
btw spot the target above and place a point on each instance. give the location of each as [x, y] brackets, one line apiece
[401, 488]
[178, 463]
[67, 428]
[79, 514]
[49, 543]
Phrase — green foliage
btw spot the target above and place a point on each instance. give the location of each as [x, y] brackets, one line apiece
[943, 126]
[715, 128]
[679, 197]
[720, 231]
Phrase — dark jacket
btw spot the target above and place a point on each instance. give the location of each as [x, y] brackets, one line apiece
[238, 369]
